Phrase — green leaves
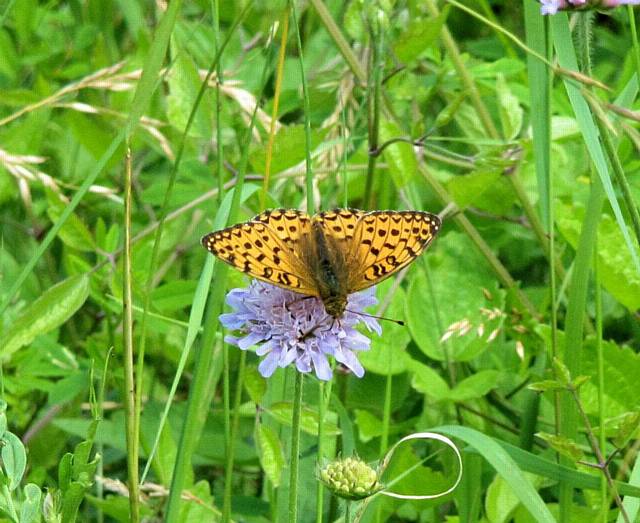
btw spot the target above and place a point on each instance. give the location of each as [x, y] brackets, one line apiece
[48, 312]
[270, 453]
[282, 410]
[617, 272]
[386, 355]
[14, 459]
[504, 465]
[452, 300]
[429, 382]
[421, 34]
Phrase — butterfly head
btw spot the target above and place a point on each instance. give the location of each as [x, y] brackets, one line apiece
[335, 305]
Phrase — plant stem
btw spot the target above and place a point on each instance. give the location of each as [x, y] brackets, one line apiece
[602, 462]
[295, 447]
[228, 475]
[321, 414]
[465, 77]
[501, 272]
[374, 89]
[127, 329]
[618, 171]
[340, 41]
[297, 401]
[307, 112]
[634, 40]
[215, 11]
[284, 35]
[600, 356]
[206, 360]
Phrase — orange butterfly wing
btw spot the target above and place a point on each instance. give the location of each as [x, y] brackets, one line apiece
[265, 248]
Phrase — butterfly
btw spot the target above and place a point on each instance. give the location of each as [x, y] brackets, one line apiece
[328, 255]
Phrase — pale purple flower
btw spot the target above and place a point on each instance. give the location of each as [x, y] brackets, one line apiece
[551, 7]
[291, 328]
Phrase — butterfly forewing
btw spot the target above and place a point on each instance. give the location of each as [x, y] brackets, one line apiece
[288, 224]
[386, 241]
[340, 223]
[256, 248]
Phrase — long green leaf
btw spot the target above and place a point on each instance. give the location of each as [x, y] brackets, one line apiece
[549, 469]
[566, 57]
[504, 465]
[53, 232]
[149, 79]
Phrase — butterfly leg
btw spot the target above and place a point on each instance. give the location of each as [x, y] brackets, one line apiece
[287, 305]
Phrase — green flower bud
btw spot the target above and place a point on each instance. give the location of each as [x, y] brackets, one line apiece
[350, 478]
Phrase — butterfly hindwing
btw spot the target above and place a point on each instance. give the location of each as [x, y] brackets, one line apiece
[256, 249]
[387, 241]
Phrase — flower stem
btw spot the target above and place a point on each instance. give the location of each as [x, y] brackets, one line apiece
[295, 448]
[386, 418]
[322, 395]
[230, 450]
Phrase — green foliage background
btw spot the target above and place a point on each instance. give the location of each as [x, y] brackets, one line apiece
[460, 116]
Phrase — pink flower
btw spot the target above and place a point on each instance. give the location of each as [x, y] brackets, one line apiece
[551, 7]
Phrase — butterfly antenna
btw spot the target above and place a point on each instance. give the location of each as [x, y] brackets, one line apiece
[398, 322]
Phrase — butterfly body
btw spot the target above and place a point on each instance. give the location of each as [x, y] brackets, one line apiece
[329, 255]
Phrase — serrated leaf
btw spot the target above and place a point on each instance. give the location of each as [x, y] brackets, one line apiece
[48, 312]
[270, 454]
[565, 446]
[14, 459]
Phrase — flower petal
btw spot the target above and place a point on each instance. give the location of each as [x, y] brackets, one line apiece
[321, 366]
[250, 340]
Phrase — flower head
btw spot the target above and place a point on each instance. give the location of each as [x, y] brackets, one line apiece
[292, 328]
[551, 7]
[350, 478]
